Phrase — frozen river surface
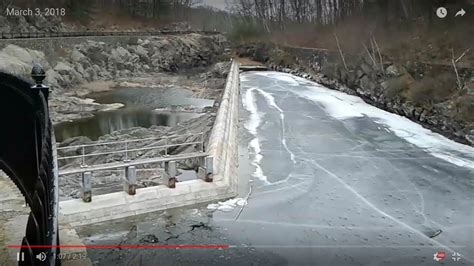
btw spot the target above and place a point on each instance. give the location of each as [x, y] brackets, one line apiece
[334, 181]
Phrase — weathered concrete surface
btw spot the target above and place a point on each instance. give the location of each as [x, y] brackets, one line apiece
[222, 146]
[120, 204]
[13, 219]
[72, 256]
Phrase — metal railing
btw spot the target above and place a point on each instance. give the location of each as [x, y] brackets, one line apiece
[128, 147]
[30, 35]
[27, 156]
[127, 162]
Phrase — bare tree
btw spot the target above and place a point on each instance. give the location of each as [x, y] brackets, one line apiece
[454, 61]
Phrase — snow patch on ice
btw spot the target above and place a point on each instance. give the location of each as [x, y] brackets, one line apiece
[252, 124]
[292, 80]
[250, 104]
[343, 106]
[271, 101]
[227, 205]
[255, 146]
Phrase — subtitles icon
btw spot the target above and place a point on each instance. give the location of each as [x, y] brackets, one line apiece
[439, 256]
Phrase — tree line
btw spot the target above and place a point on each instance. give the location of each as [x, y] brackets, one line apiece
[331, 11]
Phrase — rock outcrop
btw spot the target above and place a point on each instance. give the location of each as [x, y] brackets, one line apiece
[91, 60]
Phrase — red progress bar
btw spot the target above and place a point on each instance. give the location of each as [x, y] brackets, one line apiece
[125, 246]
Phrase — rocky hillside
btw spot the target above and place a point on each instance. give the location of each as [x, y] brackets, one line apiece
[424, 93]
[89, 60]
[95, 60]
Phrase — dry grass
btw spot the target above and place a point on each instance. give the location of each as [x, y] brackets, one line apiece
[464, 108]
[431, 90]
[115, 19]
[397, 86]
[420, 40]
[245, 61]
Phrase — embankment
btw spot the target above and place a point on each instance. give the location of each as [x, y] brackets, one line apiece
[424, 92]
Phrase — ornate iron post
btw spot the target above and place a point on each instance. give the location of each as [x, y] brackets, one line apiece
[38, 74]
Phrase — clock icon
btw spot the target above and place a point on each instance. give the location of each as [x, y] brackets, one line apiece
[441, 12]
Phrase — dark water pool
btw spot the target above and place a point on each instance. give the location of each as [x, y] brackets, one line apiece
[139, 111]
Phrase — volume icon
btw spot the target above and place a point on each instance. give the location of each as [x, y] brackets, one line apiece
[41, 256]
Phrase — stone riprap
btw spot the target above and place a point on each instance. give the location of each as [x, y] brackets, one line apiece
[71, 62]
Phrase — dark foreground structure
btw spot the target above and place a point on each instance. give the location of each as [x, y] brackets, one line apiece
[27, 157]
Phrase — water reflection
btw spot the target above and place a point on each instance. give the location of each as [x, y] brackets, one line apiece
[138, 112]
[151, 98]
[106, 122]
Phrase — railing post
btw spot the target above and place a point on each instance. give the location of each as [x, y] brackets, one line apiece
[126, 151]
[83, 157]
[209, 164]
[206, 172]
[202, 141]
[86, 187]
[130, 182]
[170, 169]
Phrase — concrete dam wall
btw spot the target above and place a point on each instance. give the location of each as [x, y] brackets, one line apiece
[223, 148]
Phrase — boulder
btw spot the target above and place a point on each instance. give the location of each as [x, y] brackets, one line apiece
[395, 71]
[140, 51]
[63, 68]
[70, 76]
[221, 69]
[470, 137]
[365, 83]
[80, 69]
[366, 69]
[120, 57]
[407, 109]
[145, 43]
[18, 52]
[53, 78]
[39, 57]
[77, 56]
[9, 64]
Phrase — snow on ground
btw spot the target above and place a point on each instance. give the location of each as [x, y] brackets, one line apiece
[228, 205]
